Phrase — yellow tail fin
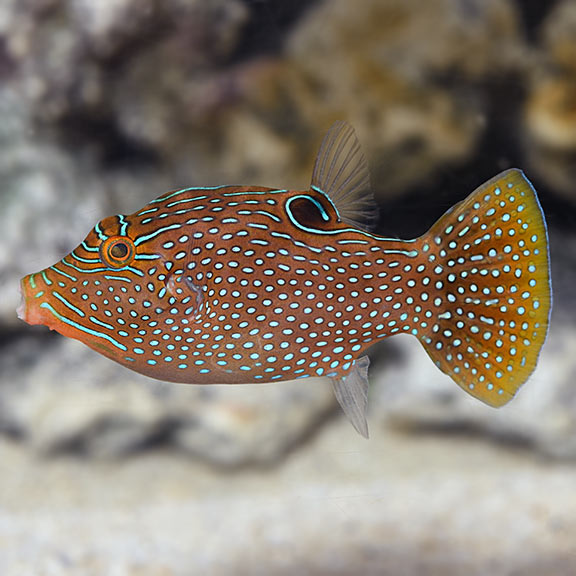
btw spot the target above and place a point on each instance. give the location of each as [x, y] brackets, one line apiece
[487, 259]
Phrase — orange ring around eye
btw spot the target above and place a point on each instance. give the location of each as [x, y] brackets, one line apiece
[117, 251]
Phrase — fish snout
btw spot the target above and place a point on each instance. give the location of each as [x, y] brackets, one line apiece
[21, 310]
[29, 309]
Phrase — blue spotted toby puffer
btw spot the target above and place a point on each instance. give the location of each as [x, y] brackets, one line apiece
[230, 284]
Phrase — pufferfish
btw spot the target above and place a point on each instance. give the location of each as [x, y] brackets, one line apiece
[245, 284]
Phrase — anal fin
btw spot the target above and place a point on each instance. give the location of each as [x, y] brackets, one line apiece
[351, 391]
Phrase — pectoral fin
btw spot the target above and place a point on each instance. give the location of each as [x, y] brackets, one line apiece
[351, 391]
[187, 292]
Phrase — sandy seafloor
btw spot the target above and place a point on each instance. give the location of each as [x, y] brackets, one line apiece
[397, 504]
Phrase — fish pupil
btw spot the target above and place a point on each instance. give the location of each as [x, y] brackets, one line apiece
[119, 250]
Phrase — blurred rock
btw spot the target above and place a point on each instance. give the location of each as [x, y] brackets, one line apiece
[550, 111]
[162, 79]
[113, 25]
[50, 198]
[542, 417]
[71, 55]
[255, 423]
[124, 83]
[48, 203]
[70, 399]
[411, 77]
[397, 505]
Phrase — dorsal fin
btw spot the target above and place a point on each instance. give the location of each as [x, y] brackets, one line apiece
[341, 172]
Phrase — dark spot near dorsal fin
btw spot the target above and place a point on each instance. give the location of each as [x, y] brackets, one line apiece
[309, 213]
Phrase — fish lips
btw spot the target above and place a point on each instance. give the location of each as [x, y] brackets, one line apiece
[21, 310]
[29, 309]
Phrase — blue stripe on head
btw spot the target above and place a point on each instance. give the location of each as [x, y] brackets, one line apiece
[82, 328]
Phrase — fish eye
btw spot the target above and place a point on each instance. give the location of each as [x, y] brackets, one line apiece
[307, 211]
[117, 252]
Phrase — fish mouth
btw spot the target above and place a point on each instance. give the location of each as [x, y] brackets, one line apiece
[21, 310]
[28, 310]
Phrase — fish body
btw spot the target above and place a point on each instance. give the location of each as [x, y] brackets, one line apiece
[230, 284]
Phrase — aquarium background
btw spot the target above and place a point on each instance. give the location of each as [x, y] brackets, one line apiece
[105, 105]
